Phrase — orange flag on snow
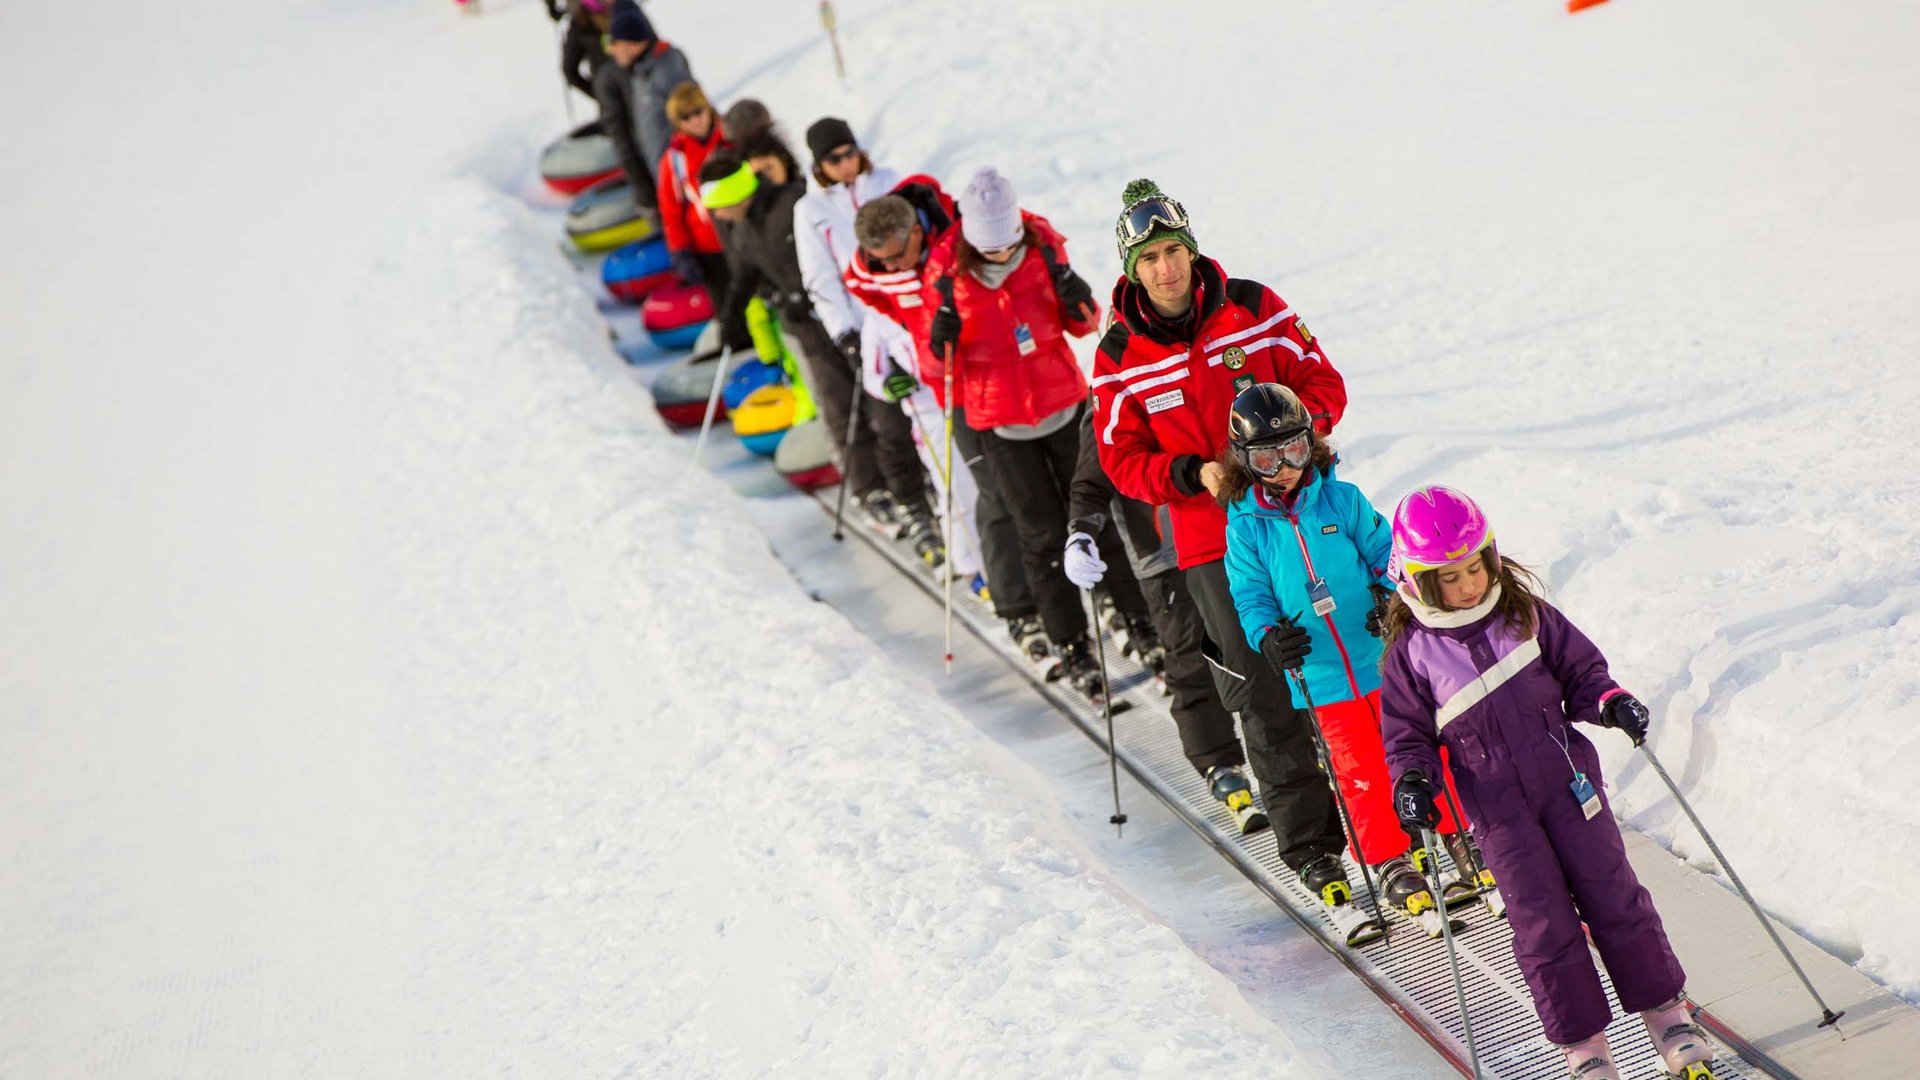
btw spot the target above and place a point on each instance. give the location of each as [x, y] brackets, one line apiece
[1582, 5]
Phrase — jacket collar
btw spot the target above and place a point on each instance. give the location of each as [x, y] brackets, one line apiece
[1209, 294]
[1262, 501]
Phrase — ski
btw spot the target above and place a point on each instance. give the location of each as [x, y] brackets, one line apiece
[1356, 927]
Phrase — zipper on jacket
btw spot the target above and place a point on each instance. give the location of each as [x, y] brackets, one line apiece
[1345, 662]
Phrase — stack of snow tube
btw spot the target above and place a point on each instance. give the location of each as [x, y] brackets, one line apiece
[680, 390]
[805, 456]
[636, 270]
[604, 217]
[675, 313]
[579, 160]
[763, 418]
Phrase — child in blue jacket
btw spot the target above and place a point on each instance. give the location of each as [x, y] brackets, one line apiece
[1307, 561]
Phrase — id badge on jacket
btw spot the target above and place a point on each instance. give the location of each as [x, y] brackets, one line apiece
[1023, 338]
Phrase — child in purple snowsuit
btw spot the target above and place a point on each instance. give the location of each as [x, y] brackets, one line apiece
[1477, 663]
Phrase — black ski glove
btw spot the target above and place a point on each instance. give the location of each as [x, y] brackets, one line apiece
[1624, 711]
[1377, 618]
[1076, 296]
[687, 267]
[1286, 647]
[849, 346]
[944, 333]
[1413, 802]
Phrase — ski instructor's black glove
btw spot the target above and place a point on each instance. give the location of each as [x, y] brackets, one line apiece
[1286, 647]
[1413, 802]
[1624, 711]
[944, 334]
[1377, 618]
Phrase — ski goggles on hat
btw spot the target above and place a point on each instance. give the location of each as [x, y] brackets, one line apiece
[1294, 453]
[1140, 219]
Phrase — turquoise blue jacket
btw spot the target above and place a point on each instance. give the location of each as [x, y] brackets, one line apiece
[1273, 552]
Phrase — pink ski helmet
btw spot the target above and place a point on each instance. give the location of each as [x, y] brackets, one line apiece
[1434, 526]
[598, 7]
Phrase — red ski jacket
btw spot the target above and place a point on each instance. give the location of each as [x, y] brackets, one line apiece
[903, 295]
[684, 219]
[1013, 359]
[1161, 398]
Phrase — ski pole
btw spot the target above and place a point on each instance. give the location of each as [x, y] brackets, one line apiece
[1828, 1018]
[1339, 798]
[1453, 952]
[713, 402]
[846, 461]
[832, 26]
[1474, 866]
[947, 409]
[1106, 706]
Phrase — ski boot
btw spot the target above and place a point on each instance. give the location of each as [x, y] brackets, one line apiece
[1325, 875]
[1682, 1046]
[882, 513]
[1081, 670]
[924, 536]
[1466, 885]
[1407, 890]
[1144, 643]
[1030, 637]
[1229, 787]
[1591, 1060]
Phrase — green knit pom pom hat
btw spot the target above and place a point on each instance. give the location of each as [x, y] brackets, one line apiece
[1149, 216]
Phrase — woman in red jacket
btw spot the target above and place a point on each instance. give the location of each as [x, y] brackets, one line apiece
[1005, 301]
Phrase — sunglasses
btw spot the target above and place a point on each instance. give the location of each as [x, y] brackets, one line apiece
[994, 253]
[840, 155]
[1266, 459]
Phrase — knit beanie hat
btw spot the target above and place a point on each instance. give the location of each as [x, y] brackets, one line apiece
[1139, 191]
[990, 212]
[827, 133]
[629, 23]
[745, 118]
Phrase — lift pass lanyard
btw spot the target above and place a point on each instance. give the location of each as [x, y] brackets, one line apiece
[1322, 597]
[1581, 787]
[1023, 338]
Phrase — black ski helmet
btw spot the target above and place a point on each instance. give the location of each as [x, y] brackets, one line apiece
[1264, 413]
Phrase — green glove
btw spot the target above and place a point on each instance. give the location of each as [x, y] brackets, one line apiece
[898, 385]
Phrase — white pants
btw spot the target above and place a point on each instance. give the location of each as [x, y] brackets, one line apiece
[930, 439]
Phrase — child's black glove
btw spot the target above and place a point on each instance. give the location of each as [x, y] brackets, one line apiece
[1413, 802]
[1377, 618]
[1624, 711]
[1286, 647]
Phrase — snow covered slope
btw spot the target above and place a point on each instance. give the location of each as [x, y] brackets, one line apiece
[377, 691]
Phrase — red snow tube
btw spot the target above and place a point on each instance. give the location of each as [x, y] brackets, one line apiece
[579, 160]
[675, 305]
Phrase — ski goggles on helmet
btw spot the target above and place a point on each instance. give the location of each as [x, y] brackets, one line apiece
[1293, 452]
[1138, 222]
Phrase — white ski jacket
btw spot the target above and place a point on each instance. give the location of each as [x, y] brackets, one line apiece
[823, 239]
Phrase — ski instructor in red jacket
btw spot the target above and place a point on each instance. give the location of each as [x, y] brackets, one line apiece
[1185, 340]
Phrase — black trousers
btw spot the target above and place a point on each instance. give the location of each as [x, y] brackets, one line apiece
[999, 540]
[1298, 799]
[1035, 476]
[716, 273]
[883, 451]
[1206, 727]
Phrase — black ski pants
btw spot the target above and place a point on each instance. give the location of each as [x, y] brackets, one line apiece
[1035, 476]
[1206, 727]
[1298, 798]
[999, 540]
[717, 273]
[882, 453]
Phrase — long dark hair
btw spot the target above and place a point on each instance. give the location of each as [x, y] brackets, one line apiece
[1518, 606]
[768, 143]
[1240, 478]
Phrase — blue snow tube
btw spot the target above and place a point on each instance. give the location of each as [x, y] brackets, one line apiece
[748, 377]
[634, 271]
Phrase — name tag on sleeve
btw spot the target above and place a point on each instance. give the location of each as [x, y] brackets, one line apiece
[1163, 402]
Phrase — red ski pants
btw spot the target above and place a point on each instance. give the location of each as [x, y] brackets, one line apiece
[1352, 731]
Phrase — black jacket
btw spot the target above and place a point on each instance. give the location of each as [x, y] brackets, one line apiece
[1092, 501]
[761, 247]
[581, 53]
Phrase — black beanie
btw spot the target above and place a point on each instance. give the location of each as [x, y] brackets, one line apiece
[827, 133]
[629, 23]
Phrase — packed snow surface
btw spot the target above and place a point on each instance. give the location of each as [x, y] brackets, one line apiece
[380, 695]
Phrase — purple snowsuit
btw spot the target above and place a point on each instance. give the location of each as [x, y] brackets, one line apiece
[1504, 708]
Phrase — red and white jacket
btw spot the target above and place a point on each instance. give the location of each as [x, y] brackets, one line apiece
[904, 296]
[1013, 358]
[684, 219]
[1161, 400]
